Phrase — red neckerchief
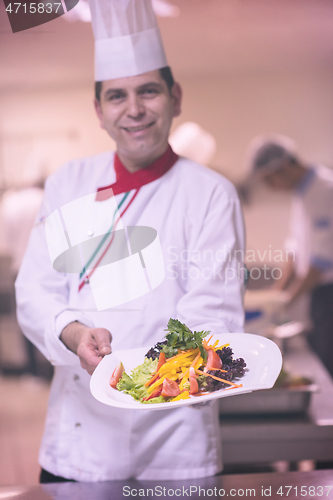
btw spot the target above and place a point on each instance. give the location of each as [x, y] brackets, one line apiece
[126, 181]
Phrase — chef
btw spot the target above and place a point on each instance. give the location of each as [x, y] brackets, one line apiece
[159, 237]
[275, 160]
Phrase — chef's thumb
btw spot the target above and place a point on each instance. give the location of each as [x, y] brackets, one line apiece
[103, 339]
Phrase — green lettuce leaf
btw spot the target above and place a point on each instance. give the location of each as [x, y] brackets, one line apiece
[135, 384]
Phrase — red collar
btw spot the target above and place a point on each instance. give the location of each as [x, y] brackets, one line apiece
[126, 181]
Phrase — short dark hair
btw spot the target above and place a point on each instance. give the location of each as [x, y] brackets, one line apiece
[165, 73]
[167, 76]
[272, 152]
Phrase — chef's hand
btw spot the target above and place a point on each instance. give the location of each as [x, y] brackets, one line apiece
[90, 344]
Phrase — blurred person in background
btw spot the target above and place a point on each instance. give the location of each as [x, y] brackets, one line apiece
[275, 161]
[19, 208]
[18, 212]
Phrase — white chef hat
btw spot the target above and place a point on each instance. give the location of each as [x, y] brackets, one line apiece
[127, 38]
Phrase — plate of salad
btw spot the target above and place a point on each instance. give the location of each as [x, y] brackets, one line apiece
[186, 368]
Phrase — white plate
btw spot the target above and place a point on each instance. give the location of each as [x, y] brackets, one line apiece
[262, 356]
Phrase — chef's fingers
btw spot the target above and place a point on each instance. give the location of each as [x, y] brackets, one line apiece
[93, 346]
[89, 356]
[103, 339]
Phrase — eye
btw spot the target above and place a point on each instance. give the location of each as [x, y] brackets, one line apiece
[115, 97]
[149, 92]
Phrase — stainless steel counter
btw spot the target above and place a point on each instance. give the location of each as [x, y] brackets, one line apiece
[291, 438]
[290, 485]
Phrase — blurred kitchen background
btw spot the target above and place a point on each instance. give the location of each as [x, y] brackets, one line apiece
[246, 67]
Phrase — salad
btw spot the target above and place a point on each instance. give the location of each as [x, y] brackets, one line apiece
[185, 364]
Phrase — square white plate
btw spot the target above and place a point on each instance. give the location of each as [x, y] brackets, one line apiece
[263, 364]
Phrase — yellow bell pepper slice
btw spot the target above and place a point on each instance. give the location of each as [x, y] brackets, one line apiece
[182, 395]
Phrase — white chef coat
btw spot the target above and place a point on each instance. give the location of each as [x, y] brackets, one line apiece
[311, 227]
[198, 218]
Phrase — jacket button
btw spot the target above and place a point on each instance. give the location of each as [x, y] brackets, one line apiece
[76, 378]
[90, 233]
[77, 425]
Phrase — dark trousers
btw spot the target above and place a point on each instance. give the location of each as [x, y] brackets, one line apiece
[47, 477]
[321, 337]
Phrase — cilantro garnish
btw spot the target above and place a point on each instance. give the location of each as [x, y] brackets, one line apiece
[181, 337]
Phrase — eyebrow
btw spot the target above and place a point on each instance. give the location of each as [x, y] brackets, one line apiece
[140, 88]
[150, 84]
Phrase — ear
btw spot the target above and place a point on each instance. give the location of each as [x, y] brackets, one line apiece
[99, 112]
[176, 94]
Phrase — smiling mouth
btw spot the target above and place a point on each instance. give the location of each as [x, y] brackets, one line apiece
[138, 128]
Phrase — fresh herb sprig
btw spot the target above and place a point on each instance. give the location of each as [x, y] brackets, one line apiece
[181, 337]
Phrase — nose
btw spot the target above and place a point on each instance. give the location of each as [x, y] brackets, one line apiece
[135, 107]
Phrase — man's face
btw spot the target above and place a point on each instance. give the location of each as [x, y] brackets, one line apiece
[281, 179]
[137, 112]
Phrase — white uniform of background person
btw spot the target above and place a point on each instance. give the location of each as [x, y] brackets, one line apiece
[311, 228]
[198, 219]
[311, 238]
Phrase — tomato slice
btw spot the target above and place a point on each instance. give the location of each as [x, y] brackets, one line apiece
[116, 375]
[170, 388]
[194, 388]
[161, 361]
[214, 362]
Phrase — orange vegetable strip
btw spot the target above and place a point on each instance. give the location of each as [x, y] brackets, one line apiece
[205, 343]
[156, 384]
[195, 360]
[217, 378]
[229, 388]
[154, 377]
[161, 361]
[198, 363]
[219, 369]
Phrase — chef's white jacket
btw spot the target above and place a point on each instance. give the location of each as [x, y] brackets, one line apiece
[198, 219]
[311, 225]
